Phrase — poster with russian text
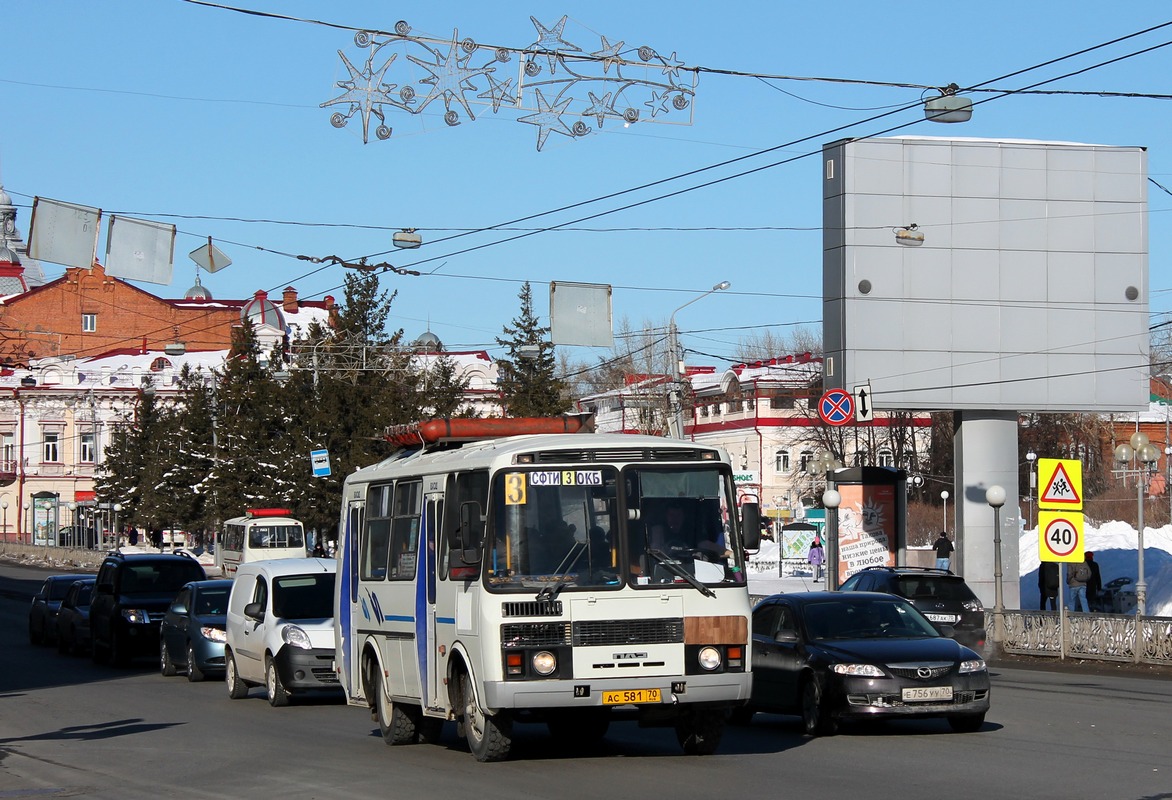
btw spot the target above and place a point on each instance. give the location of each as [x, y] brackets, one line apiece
[866, 528]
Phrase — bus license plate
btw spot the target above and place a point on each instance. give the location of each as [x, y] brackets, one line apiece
[927, 693]
[628, 696]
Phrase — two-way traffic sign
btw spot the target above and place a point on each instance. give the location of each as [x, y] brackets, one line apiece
[864, 408]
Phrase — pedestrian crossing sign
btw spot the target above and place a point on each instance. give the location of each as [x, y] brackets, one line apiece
[1060, 483]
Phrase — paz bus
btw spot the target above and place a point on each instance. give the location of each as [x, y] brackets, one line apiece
[262, 533]
[508, 571]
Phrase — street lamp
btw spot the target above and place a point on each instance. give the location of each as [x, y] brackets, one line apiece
[117, 508]
[4, 505]
[995, 497]
[944, 497]
[1032, 458]
[27, 521]
[72, 506]
[677, 369]
[830, 501]
[1145, 454]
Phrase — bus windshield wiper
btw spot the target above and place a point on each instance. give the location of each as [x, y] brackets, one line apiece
[551, 592]
[675, 568]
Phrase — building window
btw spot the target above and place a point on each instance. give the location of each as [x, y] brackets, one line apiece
[804, 461]
[89, 323]
[87, 448]
[7, 453]
[781, 461]
[52, 451]
[886, 458]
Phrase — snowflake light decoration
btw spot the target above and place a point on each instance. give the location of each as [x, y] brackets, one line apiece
[560, 86]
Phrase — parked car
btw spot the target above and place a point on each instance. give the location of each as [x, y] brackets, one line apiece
[73, 618]
[281, 628]
[942, 597]
[42, 616]
[132, 593]
[191, 635]
[833, 656]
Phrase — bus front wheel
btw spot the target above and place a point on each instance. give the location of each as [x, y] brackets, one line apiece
[490, 736]
[395, 724]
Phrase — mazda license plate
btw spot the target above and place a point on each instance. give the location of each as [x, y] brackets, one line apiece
[927, 694]
[629, 696]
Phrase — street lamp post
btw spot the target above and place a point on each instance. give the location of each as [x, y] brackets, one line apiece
[831, 499]
[995, 497]
[117, 508]
[27, 522]
[677, 369]
[1145, 455]
[1032, 458]
[4, 505]
[944, 497]
[72, 506]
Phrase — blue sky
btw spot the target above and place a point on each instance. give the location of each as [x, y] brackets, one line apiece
[184, 113]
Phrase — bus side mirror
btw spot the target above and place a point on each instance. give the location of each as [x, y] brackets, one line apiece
[471, 526]
[751, 525]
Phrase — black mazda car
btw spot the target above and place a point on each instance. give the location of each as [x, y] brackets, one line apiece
[833, 656]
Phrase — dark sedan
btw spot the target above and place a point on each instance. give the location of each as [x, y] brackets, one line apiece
[42, 616]
[191, 636]
[832, 656]
[73, 618]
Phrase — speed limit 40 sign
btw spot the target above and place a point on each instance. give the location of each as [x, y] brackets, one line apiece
[1060, 536]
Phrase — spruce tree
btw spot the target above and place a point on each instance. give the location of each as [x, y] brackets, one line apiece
[528, 380]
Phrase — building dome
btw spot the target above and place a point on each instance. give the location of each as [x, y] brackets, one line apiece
[7, 255]
[428, 341]
[197, 292]
[5, 200]
[263, 311]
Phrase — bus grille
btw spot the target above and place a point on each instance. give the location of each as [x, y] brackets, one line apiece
[535, 634]
[533, 608]
[629, 631]
[620, 454]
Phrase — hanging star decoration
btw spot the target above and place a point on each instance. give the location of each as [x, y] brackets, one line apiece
[548, 118]
[561, 86]
[364, 92]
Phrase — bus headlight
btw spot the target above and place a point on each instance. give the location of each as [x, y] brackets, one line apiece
[544, 663]
[709, 658]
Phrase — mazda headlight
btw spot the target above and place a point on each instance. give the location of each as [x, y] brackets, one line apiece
[296, 637]
[136, 616]
[860, 670]
[975, 665]
[213, 634]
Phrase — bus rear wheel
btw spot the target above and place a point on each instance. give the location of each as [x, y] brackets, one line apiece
[490, 736]
[394, 722]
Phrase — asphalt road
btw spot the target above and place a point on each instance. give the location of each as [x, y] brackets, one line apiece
[69, 728]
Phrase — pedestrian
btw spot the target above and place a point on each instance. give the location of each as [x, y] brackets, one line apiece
[816, 557]
[1095, 584]
[1048, 584]
[1076, 580]
[943, 549]
[132, 536]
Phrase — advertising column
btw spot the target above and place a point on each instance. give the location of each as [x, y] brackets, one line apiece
[872, 518]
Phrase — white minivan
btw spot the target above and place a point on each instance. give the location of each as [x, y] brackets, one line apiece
[280, 628]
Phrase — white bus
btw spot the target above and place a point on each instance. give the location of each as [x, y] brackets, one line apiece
[529, 579]
[262, 533]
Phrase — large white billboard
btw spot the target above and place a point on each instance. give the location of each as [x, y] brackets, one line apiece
[1028, 291]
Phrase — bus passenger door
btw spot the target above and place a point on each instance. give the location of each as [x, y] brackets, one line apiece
[430, 664]
[348, 613]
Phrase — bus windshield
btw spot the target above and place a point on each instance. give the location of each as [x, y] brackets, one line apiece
[596, 528]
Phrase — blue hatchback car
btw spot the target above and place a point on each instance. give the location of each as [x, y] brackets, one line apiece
[191, 636]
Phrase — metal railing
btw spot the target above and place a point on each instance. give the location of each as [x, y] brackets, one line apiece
[1107, 637]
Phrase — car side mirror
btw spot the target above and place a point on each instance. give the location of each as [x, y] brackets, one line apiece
[178, 608]
[470, 535]
[255, 611]
[946, 630]
[786, 636]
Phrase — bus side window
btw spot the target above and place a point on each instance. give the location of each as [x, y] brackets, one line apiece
[462, 488]
[405, 530]
[376, 539]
